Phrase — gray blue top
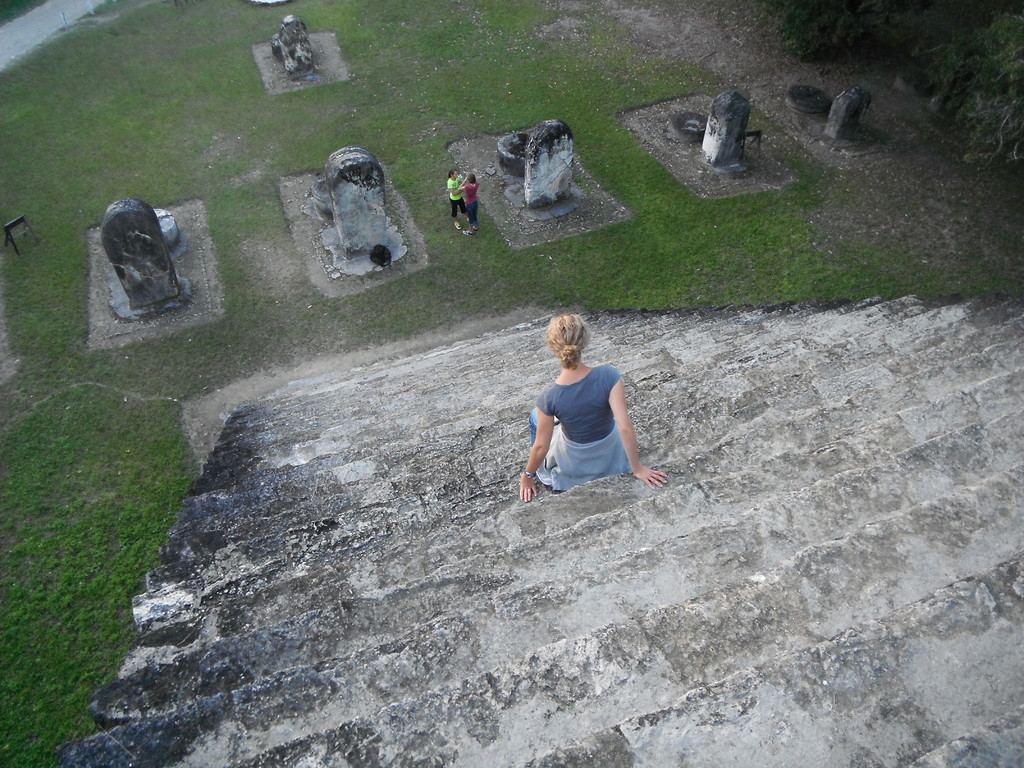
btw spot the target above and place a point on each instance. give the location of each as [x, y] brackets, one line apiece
[582, 407]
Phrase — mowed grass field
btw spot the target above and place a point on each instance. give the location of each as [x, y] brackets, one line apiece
[167, 105]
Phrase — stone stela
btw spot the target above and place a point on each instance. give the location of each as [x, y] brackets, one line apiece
[844, 113]
[542, 158]
[844, 117]
[725, 135]
[292, 48]
[140, 242]
[349, 196]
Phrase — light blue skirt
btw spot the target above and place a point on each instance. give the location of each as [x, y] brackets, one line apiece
[569, 464]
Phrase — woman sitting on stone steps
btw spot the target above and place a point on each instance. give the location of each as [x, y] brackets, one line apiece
[580, 427]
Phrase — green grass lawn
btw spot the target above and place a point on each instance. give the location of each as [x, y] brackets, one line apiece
[167, 105]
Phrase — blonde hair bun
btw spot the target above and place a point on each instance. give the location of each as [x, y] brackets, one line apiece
[567, 337]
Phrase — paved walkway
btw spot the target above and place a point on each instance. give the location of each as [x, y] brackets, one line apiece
[21, 35]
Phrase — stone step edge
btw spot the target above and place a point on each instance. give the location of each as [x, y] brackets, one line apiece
[853, 644]
[431, 722]
[784, 376]
[742, 433]
[606, 487]
[999, 743]
[766, 584]
[192, 592]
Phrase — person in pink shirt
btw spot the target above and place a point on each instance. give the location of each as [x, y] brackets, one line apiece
[469, 189]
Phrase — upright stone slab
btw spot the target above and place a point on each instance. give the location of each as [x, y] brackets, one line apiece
[727, 126]
[847, 110]
[134, 242]
[292, 48]
[548, 160]
[355, 181]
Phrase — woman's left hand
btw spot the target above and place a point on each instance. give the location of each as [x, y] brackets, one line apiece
[527, 488]
[654, 478]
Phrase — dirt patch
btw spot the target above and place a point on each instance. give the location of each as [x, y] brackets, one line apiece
[591, 206]
[318, 261]
[655, 132]
[903, 186]
[328, 66]
[196, 264]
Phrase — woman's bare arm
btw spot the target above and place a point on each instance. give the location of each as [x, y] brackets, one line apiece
[539, 449]
[617, 400]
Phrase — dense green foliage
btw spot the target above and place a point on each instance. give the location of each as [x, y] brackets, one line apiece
[981, 76]
[167, 104]
[813, 29]
[978, 72]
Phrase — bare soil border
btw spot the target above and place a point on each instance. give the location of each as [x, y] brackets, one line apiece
[329, 66]
[305, 229]
[197, 264]
[520, 226]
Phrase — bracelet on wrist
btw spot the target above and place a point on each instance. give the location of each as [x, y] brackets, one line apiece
[531, 475]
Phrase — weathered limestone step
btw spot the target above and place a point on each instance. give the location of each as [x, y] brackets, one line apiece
[370, 397]
[884, 693]
[413, 556]
[700, 639]
[745, 367]
[367, 394]
[316, 473]
[499, 718]
[394, 579]
[819, 437]
[813, 431]
[337, 618]
[537, 547]
[706, 418]
[996, 744]
[840, 404]
[962, 456]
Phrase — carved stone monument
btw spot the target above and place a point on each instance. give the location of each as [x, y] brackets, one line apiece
[847, 110]
[292, 48]
[134, 242]
[808, 100]
[538, 165]
[548, 158]
[726, 131]
[690, 126]
[351, 195]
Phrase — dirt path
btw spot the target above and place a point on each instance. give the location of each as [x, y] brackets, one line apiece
[48, 20]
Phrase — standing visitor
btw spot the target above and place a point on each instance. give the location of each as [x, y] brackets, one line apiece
[469, 189]
[455, 196]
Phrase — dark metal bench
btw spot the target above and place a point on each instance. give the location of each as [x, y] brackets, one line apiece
[13, 224]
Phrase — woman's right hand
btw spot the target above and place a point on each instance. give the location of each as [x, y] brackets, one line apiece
[654, 478]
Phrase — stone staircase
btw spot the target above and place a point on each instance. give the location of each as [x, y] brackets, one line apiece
[833, 577]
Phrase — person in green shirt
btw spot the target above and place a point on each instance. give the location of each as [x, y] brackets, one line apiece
[455, 197]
